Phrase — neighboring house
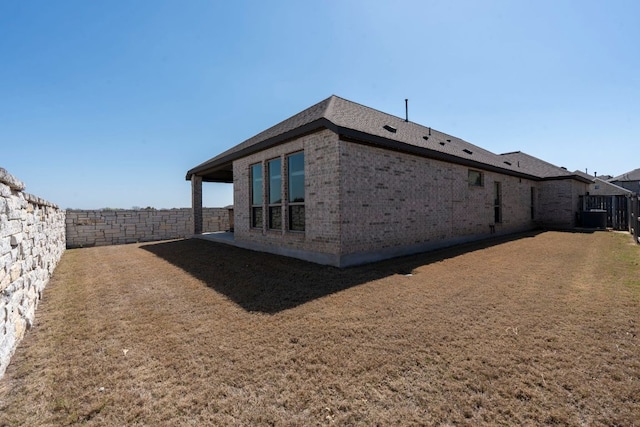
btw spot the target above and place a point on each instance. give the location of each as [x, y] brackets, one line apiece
[342, 184]
[592, 177]
[629, 180]
[603, 195]
[600, 187]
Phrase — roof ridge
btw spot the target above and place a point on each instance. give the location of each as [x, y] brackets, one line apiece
[329, 107]
[370, 108]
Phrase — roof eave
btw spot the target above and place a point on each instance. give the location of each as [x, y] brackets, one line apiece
[219, 168]
[351, 135]
[573, 176]
[216, 163]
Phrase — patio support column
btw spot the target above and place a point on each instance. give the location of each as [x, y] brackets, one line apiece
[196, 203]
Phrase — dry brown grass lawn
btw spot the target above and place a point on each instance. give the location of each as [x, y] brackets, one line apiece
[542, 329]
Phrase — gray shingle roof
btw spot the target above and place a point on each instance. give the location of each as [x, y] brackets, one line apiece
[366, 125]
[584, 175]
[535, 166]
[634, 175]
[367, 121]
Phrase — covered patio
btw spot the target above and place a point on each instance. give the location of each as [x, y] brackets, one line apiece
[211, 171]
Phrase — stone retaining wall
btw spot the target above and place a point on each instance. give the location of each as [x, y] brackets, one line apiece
[113, 227]
[32, 240]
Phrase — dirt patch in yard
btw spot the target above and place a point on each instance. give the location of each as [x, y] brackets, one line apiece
[541, 329]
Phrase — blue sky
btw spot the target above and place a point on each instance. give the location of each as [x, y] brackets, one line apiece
[109, 103]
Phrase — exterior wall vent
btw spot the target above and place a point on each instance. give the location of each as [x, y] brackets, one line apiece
[390, 128]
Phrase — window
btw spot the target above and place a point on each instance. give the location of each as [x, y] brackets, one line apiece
[276, 203]
[476, 178]
[275, 194]
[497, 202]
[533, 202]
[295, 172]
[256, 195]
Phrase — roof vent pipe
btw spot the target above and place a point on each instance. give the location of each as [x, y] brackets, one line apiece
[406, 110]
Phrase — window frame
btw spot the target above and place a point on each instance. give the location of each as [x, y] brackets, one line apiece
[497, 202]
[256, 207]
[277, 205]
[475, 182]
[293, 204]
[533, 203]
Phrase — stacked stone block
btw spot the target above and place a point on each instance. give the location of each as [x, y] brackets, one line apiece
[32, 240]
[87, 228]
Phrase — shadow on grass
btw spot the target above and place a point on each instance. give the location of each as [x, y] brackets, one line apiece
[269, 283]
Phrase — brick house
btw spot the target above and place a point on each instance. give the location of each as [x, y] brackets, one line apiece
[343, 184]
[629, 180]
[600, 187]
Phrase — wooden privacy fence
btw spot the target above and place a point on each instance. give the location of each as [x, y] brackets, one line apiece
[634, 217]
[617, 208]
